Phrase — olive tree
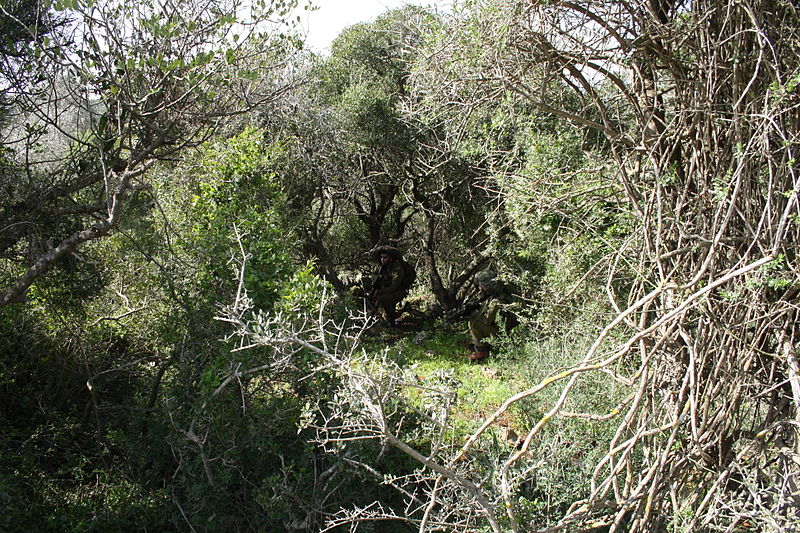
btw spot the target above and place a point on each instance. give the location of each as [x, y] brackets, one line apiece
[364, 167]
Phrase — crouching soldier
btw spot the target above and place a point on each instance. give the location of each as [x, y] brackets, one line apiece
[390, 283]
[483, 320]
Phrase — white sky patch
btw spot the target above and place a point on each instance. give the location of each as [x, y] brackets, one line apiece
[332, 16]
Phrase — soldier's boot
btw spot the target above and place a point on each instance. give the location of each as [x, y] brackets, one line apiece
[480, 353]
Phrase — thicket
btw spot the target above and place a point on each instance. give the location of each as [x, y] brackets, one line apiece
[188, 198]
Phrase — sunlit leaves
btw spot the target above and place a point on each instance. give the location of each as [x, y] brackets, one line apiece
[236, 192]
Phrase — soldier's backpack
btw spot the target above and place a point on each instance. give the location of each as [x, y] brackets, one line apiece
[409, 274]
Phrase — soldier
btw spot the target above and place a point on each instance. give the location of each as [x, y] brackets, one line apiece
[482, 320]
[389, 285]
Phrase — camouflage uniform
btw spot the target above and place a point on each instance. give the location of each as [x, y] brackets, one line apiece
[482, 321]
[388, 287]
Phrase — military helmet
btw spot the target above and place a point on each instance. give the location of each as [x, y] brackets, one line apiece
[486, 280]
[391, 251]
[485, 276]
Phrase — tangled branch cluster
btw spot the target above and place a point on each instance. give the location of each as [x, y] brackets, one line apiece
[698, 105]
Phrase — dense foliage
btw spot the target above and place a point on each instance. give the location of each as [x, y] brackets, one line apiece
[189, 202]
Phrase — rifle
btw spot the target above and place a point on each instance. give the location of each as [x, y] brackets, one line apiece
[465, 310]
[371, 287]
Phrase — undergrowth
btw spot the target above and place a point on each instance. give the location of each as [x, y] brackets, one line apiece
[563, 454]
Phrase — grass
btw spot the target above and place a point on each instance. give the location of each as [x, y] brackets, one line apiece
[437, 357]
[561, 458]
